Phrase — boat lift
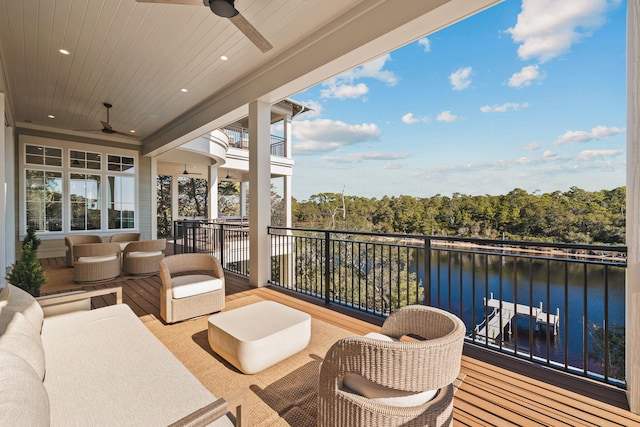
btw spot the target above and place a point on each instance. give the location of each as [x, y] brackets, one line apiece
[502, 315]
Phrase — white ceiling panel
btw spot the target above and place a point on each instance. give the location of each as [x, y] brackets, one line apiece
[138, 57]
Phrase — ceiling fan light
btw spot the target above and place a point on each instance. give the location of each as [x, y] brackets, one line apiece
[223, 8]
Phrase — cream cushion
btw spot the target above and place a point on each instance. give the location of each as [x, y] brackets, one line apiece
[20, 338]
[387, 396]
[92, 259]
[143, 254]
[105, 368]
[194, 284]
[23, 398]
[13, 298]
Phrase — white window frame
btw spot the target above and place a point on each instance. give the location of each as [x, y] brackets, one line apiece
[67, 170]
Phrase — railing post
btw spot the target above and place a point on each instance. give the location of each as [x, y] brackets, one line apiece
[221, 243]
[427, 271]
[327, 270]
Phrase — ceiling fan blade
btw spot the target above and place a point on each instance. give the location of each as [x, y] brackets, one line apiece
[251, 32]
[187, 2]
[128, 135]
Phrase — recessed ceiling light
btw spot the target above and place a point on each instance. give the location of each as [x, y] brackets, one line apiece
[132, 131]
[224, 57]
[64, 51]
[184, 90]
[51, 116]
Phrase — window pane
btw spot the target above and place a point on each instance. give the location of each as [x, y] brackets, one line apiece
[121, 202]
[34, 149]
[84, 197]
[34, 160]
[44, 200]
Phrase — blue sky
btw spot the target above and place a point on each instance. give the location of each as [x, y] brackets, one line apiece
[528, 94]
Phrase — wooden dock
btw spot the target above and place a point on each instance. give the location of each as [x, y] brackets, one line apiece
[502, 315]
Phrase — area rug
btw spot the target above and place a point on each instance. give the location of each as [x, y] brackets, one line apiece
[282, 395]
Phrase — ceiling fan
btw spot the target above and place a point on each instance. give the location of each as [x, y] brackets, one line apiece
[106, 127]
[225, 9]
[186, 172]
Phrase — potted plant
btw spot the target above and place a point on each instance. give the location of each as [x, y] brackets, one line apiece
[27, 273]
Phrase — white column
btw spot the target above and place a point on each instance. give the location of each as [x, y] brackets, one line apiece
[174, 201]
[153, 171]
[243, 199]
[287, 178]
[260, 192]
[213, 192]
[3, 198]
[632, 338]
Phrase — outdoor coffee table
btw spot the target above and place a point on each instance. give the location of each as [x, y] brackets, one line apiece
[257, 336]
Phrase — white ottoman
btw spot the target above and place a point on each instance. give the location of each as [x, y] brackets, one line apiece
[259, 335]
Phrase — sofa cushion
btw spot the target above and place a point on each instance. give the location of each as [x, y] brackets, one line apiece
[105, 368]
[94, 259]
[20, 338]
[16, 299]
[194, 284]
[143, 254]
[23, 398]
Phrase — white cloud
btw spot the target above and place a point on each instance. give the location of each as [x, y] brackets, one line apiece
[461, 78]
[548, 28]
[503, 108]
[594, 154]
[526, 76]
[426, 44]
[345, 91]
[447, 117]
[343, 86]
[410, 119]
[324, 135]
[579, 136]
[359, 157]
[532, 147]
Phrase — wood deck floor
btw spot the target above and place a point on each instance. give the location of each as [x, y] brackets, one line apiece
[516, 394]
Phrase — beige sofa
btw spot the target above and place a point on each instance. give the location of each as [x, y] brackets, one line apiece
[99, 367]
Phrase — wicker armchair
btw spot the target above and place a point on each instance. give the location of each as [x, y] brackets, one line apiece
[78, 239]
[404, 368]
[192, 285]
[123, 239]
[143, 257]
[95, 262]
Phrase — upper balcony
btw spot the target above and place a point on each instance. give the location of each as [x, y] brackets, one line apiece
[239, 138]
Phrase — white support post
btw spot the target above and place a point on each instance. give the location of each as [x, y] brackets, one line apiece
[4, 184]
[153, 171]
[632, 339]
[260, 192]
[287, 198]
[213, 193]
[174, 201]
[243, 199]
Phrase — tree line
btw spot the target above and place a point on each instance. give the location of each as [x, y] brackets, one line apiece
[573, 216]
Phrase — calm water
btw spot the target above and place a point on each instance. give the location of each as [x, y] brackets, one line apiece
[585, 294]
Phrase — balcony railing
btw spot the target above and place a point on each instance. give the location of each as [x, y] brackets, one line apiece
[239, 138]
[559, 305]
[228, 241]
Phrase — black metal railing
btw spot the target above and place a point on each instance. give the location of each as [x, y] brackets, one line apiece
[239, 138]
[227, 241]
[560, 305]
